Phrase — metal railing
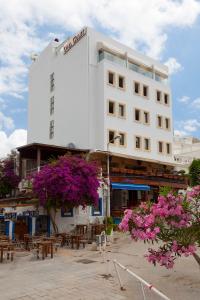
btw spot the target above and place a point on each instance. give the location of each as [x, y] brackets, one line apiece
[140, 279]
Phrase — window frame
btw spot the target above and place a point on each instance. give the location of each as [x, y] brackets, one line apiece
[123, 80]
[108, 106]
[149, 144]
[148, 114]
[52, 105]
[169, 124]
[52, 82]
[162, 147]
[147, 89]
[51, 129]
[168, 99]
[139, 87]
[124, 108]
[98, 212]
[170, 149]
[161, 118]
[108, 139]
[125, 139]
[140, 119]
[140, 139]
[114, 78]
[159, 101]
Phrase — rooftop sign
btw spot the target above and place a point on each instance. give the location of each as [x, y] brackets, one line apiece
[74, 40]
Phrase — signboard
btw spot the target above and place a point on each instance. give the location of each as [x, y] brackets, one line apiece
[10, 216]
[74, 40]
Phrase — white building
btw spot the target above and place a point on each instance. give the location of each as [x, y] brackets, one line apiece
[185, 150]
[91, 88]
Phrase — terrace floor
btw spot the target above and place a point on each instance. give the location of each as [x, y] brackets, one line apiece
[81, 274]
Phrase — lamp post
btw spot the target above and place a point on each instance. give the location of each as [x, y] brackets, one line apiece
[108, 176]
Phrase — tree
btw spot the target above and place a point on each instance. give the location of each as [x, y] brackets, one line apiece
[174, 221]
[67, 182]
[8, 179]
[194, 172]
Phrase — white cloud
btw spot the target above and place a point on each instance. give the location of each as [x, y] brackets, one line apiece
[6, 122]
[191, 125]
[16, 139]
[184, 99]
[173, 65]
[3, 104]
[180, 133]
[196, 103]
[139, 24]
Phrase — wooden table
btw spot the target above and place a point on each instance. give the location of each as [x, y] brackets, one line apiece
[77, 240]
[46, 245]
[5, 246]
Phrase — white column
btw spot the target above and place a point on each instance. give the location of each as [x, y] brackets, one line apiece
[33, 225]
[11, 229]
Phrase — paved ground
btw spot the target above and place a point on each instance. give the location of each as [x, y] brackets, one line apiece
[68, 276]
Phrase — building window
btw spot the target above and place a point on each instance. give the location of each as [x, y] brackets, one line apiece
[122, 110]
[111, 107]
[111, 136]
[52, 105]
[51, 129]
[167, 123]
[52, 82]
[66, 212]
[136, 87]
[166, 99]
[159, 121]
[146, 144]
[111, 78]
[160, 147]
[138, 142]
[145, 90]
[158, 96]
[146, 117]
[137, 115]
[168, 148]
[121, 82]
[122, 140]
[98, 210]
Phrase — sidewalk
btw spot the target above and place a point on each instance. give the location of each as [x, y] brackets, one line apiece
[81, 274]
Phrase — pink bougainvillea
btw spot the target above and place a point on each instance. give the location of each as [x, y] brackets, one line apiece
[174, 221]
[69, 181]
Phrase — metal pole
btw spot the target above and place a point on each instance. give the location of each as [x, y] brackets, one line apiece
[108, 181]
[118, 276]
[150, 286]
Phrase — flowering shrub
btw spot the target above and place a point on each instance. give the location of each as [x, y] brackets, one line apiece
[8, 179]
[174, 220]
[67, 182]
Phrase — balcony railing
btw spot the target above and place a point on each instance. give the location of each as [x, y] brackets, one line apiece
[131, 66]
[152, 175]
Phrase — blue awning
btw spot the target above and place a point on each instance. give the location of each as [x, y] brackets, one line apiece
[130, 186]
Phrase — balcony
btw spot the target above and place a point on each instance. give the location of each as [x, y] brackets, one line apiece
[125, 62]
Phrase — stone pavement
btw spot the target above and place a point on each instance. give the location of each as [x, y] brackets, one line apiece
[64, 277]
[82, 274]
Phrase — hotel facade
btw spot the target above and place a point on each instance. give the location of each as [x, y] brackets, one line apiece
[94, 97]
[91, 88]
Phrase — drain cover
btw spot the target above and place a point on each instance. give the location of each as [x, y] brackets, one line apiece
[85, 261]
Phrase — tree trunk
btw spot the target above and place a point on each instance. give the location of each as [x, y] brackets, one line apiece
[52, 215]
[197, 258]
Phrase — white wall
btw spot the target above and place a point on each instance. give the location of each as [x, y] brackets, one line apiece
[81, 94]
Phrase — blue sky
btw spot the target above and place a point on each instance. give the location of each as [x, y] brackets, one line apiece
[167, 30]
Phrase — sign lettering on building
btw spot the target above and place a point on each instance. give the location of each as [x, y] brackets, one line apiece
[74, 40]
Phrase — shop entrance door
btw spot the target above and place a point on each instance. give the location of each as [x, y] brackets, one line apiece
[21, 227]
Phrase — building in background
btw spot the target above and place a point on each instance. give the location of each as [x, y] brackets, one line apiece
[185, 150]
[90, 88]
